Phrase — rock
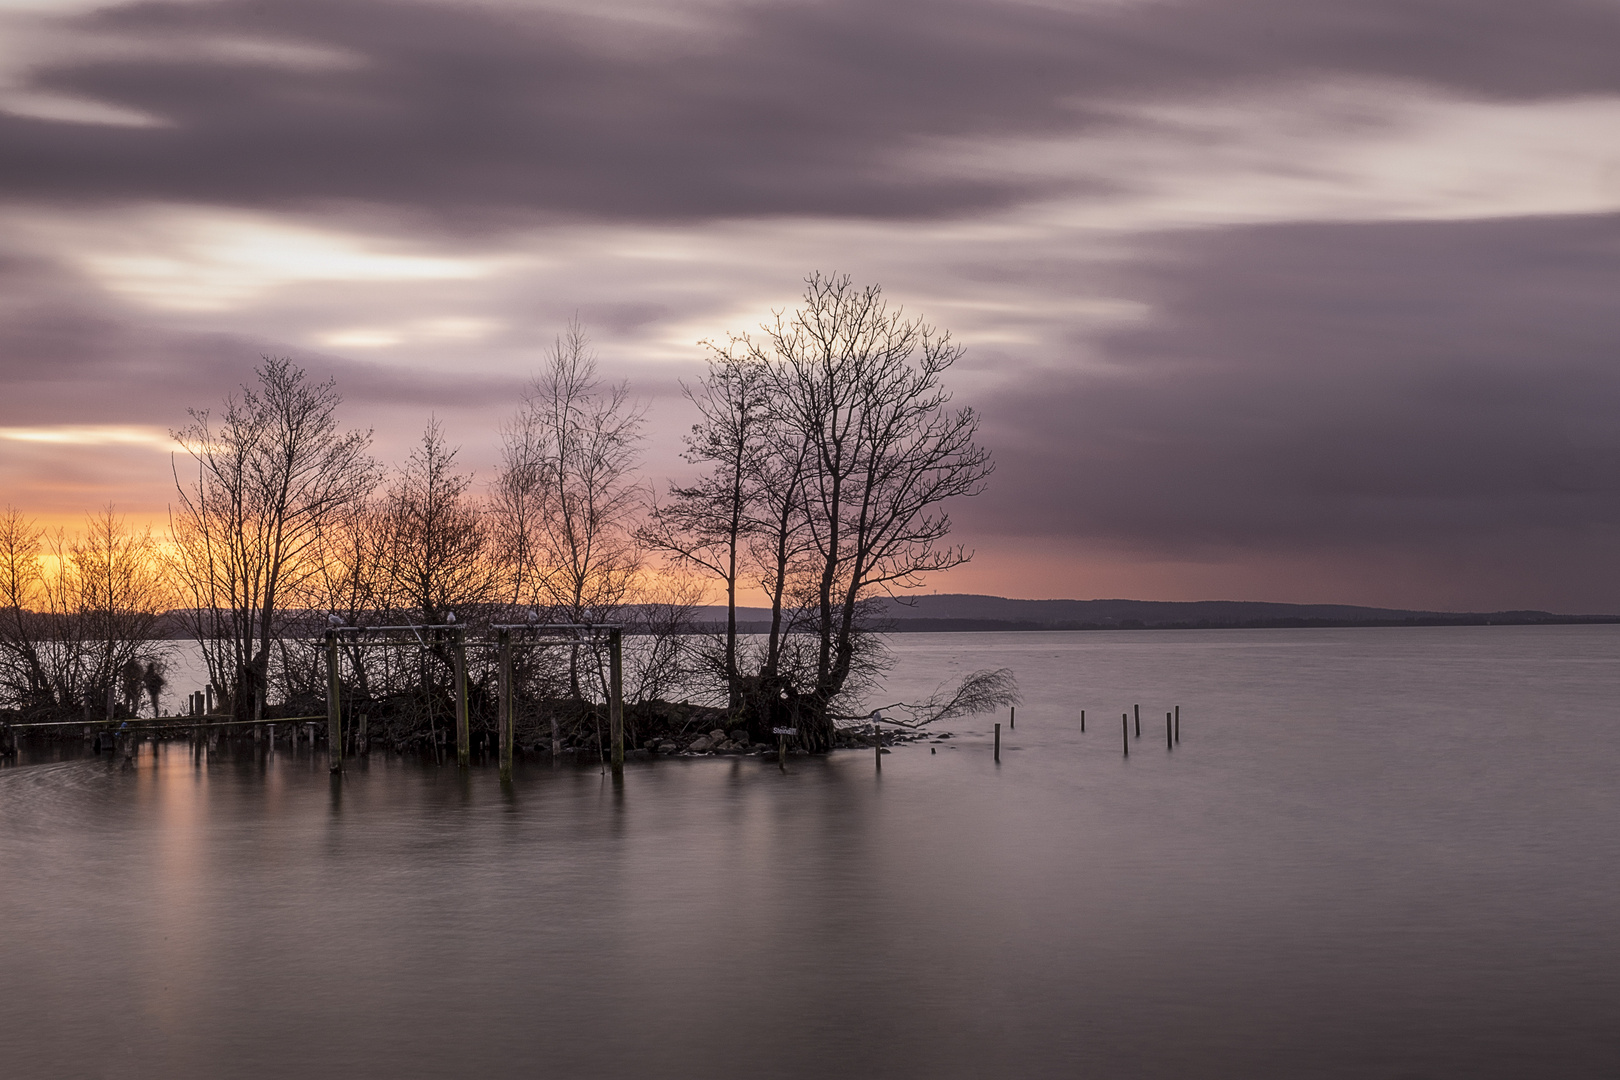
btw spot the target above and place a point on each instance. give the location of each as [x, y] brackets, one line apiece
[717, 735]
[740, 737]
[700, 745]
[667, 748]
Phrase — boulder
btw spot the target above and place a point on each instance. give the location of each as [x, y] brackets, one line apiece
[717, 735]
[701, 745]
[667, 748]
[740, 737]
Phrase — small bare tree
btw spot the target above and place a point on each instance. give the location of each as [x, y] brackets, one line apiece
[26, 673]
[707, 525]
[117, 588]
[567, 498]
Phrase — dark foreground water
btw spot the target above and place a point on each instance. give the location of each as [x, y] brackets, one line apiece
[1376, 853]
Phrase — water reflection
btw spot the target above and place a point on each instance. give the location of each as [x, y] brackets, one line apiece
[1371, 855]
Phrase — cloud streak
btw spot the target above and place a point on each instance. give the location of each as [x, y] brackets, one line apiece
[1280, 299]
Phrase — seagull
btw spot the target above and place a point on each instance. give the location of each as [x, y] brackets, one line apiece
[334, 620]
[450, 617]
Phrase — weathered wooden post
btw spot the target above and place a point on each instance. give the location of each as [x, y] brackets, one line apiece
[616, 698]
[998, 743]
[1012, 717]
[503, 722]
[1125, 731]
[1178, 723]
[1137, 709]
[1168, 744]
[877, 744]
[334, 707]
[1082, 721]
[458, 652]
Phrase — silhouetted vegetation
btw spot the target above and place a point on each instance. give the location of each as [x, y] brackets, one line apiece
[827, 446]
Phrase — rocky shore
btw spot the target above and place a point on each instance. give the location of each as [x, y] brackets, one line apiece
[721, 743]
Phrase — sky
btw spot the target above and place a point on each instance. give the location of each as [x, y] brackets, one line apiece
[1287, 300]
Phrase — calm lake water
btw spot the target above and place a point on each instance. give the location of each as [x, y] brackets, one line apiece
[1375, 853]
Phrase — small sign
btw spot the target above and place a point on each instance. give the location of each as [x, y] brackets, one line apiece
[784, 731]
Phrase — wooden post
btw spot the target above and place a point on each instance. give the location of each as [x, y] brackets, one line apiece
[1082, 721]
[1012, 717]
[1125, 731]
[1178, 723]
[458, 652]
[1167, 741]
[998, 743]
[781, 752]
[334, 707]
[877, 745]
[616, 698]
[1137, 709]
[504, 723]
[362, 736]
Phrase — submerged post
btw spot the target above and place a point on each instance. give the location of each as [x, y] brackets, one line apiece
[1082, 721]
[1125, 731]
[877, 744]
[1167, 741]
[616, 698]
[458, 653]
[1012, 717]
[998, 743]
[1137, 710]
[503, 722]
[1178, 723]
[334, 709]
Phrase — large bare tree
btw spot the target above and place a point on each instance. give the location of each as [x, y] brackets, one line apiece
[853, 455]
[271, 472]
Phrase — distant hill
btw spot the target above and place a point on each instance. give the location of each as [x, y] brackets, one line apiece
[962, 612]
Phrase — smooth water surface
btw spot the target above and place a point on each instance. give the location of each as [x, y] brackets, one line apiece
[1375, 853]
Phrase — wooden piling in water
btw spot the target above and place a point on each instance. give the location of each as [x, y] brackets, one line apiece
[1178, 723]
[1125, 731]
[334, 707]
[616, 698]
[458, 655]
[998, 743]
[504, 723]
[1082, 721]
[1167, 743]
[1012, 717]
[877, 745]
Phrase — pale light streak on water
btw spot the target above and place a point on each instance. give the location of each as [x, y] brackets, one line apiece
[1378, 852]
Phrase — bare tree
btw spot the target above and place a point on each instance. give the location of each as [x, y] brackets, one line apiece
[271, 474]
[25, 677]
[438, 542]
[77, 613]
[118, 588]
[567, 495]
[706, 525]
[859, 386]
